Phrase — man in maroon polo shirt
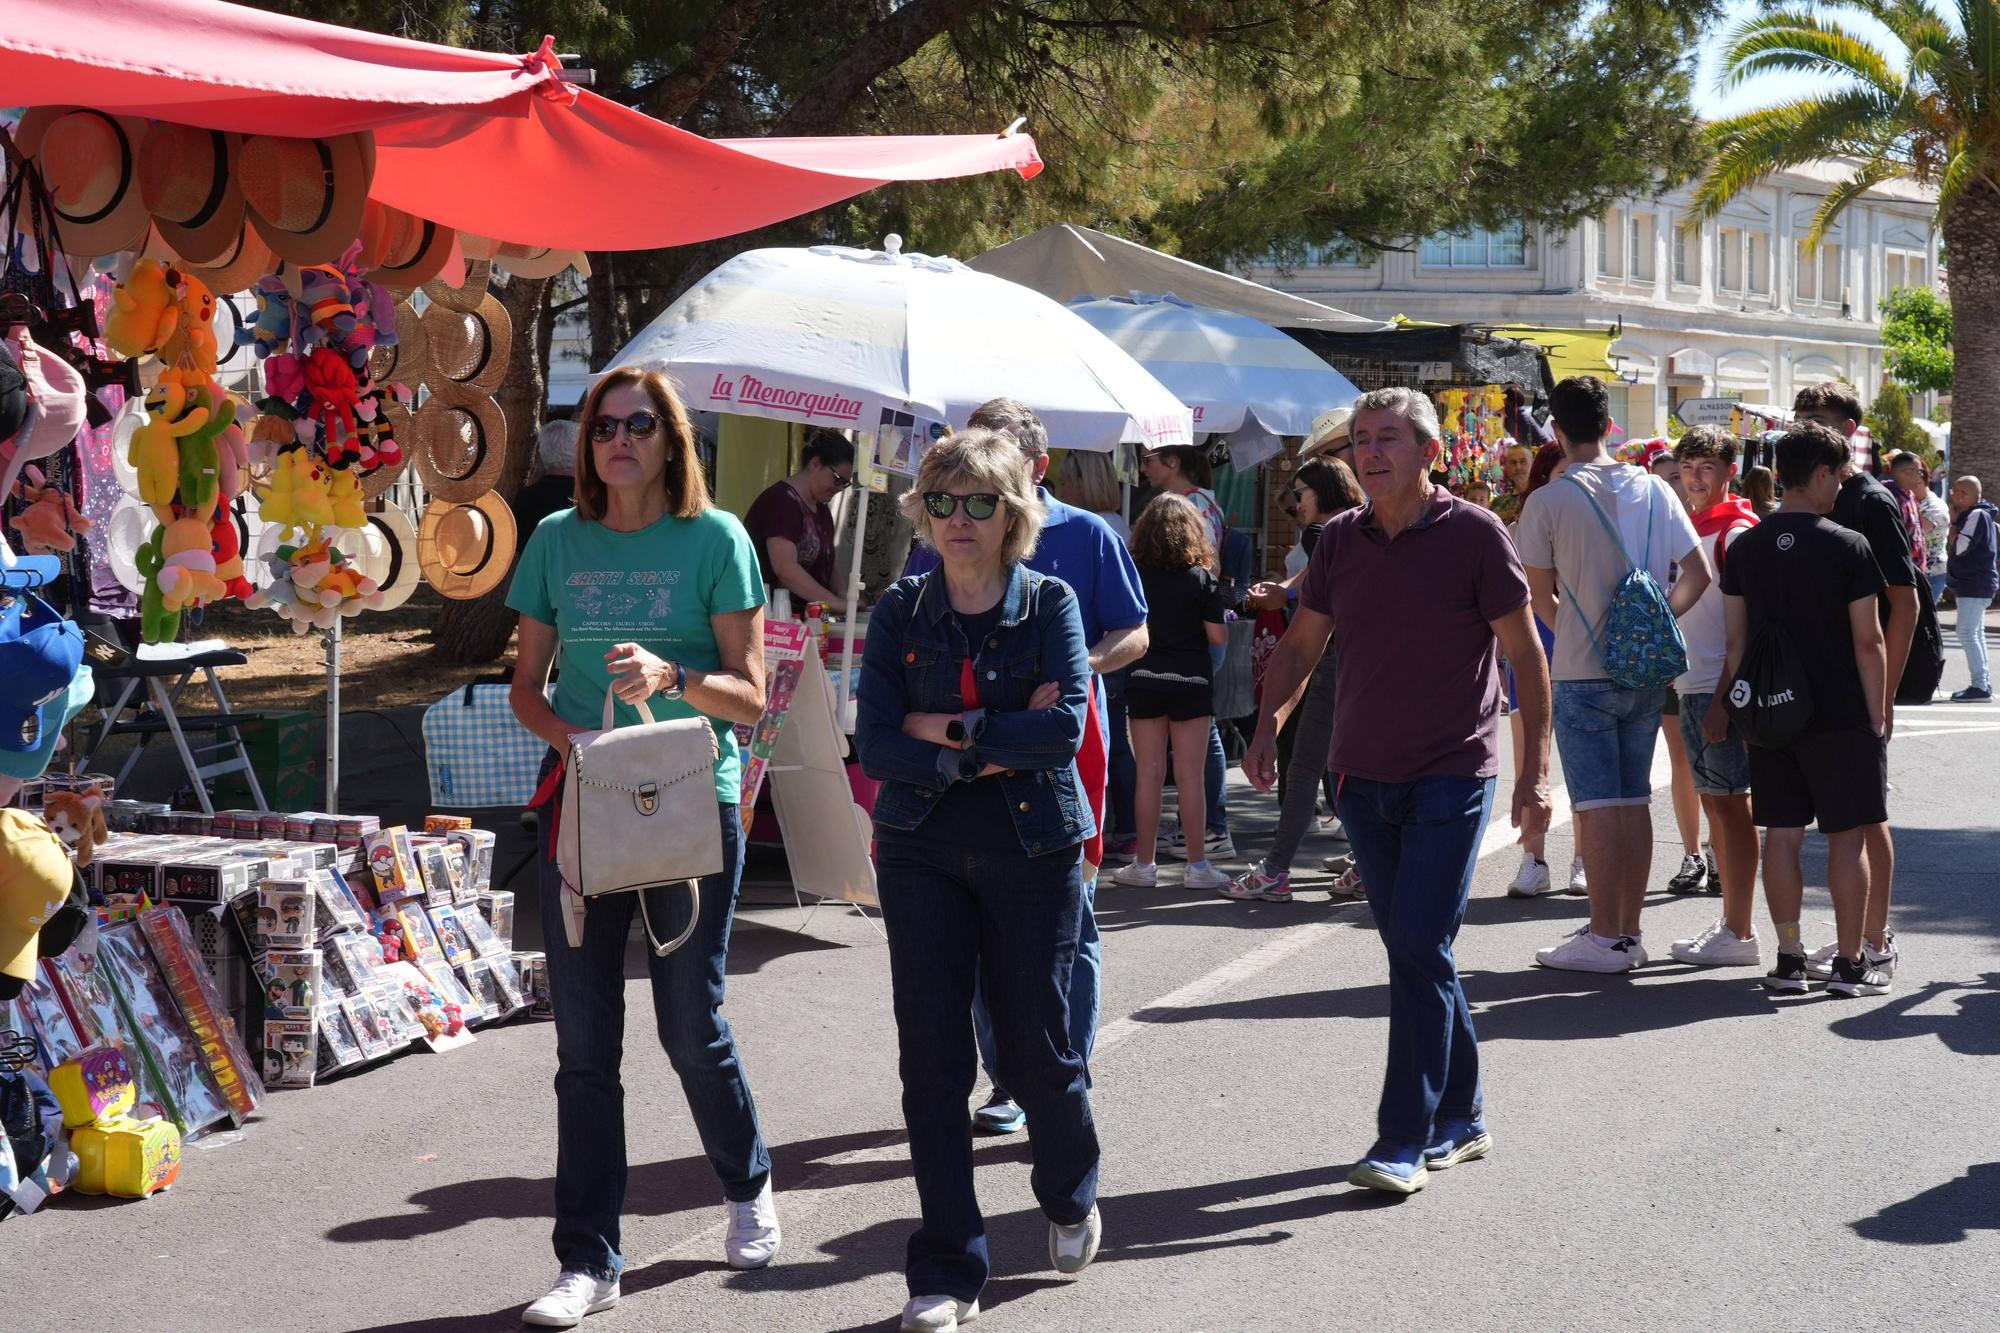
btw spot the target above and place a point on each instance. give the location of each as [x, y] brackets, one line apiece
[1422, 587]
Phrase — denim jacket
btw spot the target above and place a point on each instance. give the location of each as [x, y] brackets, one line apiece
[912, 664]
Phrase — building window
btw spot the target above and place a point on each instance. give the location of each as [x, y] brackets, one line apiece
[1819, 280]
[1685, 241]
[1499, 247]
[1905, 268]
[1729, 259]
[1743, 262]
[1759, 266]
[1611, 244]
[1336, 254]
[1639, 247]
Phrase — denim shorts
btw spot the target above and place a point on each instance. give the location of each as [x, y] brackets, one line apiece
[1721, 768]
[1605, 736]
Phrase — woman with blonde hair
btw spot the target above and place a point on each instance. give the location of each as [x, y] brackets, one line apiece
[1089, 481]
[648, 592]
[1169, 694]
[974, 693]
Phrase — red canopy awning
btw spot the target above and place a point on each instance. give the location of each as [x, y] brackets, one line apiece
[496, 145]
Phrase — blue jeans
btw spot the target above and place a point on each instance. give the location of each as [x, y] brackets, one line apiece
[956, 916]
[587, 989]
[1214, 780]
[1121, 769]
[1416, 844]
[1086, 983]
[1937, 582]
[1605, 736]
[1972, 638]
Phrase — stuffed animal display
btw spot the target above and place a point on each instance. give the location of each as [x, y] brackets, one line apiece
[313, 584]
[190, 456]
[78, 819]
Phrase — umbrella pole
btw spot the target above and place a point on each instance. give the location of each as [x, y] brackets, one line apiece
[853, 604]
[333, 718]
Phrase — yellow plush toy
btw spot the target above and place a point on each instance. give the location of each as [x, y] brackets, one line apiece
[155, 450]
[145, 311]
[279, 500]
[344, 494]
[311, 497]
[187, 575]
[191, 346]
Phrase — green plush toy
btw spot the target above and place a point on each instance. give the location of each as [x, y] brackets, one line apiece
[200, 462]
[156, 623]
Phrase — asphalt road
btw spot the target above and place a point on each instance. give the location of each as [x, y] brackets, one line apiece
[1674, 1149]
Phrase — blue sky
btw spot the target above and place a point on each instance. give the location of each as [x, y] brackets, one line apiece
[1762, 92]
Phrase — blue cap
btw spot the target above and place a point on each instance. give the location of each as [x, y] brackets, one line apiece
[40, 654]
[18, 573]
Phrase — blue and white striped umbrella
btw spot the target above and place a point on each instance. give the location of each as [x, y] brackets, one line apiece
[1236, 373]
[836, 337]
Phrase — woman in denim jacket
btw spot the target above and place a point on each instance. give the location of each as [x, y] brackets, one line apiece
[970, 714]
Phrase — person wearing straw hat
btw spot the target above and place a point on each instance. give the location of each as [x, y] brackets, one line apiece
[647, 590]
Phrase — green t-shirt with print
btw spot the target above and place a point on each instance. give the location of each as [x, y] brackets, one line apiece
[656, 587]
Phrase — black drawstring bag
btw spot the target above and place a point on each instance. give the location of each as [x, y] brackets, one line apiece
[1769, 698]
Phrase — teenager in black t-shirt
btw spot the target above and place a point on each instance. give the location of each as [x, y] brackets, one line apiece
[1818, 583]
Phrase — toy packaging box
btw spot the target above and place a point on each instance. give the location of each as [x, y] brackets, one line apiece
[165, 1040]
[338, 909]
[440, 825]
[371, 1030]
[52, 1029]
[339, 1048]
[96, 1085]
[478, 845]
[200, 1001]
[485, 942]
[532, 969]
[441, 1016]
[434, 867]
[291, 980]
[392, 864]
[498, 909]
[463, 893]
[288, 913]
[291, 1052]
[420, 941]
[126, 1157]
[84, 987]
[451, 936]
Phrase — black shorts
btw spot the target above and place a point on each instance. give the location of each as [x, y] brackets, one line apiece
[1840, 778]
[1177, 703]
[1672, 707]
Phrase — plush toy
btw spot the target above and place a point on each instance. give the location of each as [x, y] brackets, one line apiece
[271, 331]
[285, 377]
[200, 461]
[279, 502]
[49, 519]
[232, 460]
[78, 819]
[227, 544]
[374, 437]
[344, 494]
[157, 624]
[311, 498]
[335, 392]
[324, 294]
[191, 346]
[187, 566]
[145, 311]
[171, 415]
[271, 433]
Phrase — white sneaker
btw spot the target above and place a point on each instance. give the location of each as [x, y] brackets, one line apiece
[1532, 880]
[1718, 947]
[753, 1236]
[1072, 1248]
[574, 1295]
[1202, 875]
[937, 1314]
[1173, 844]
[1138, 875]
[1819, 964]
[1580, 952]
[1577, 883]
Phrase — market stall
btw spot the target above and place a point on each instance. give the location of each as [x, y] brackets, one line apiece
[362, 203]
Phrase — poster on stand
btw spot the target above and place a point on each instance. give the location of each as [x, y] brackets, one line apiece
[827, 835]
[785, 646]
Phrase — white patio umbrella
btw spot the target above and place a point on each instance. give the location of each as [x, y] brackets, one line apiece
[832, 336]
[1240, 376]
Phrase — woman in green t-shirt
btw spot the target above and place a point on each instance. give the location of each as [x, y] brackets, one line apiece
[649, 591]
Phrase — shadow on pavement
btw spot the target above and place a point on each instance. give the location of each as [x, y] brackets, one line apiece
[1942, 1215]
[653, 1189]
[632, 1283]
[1974, 1029]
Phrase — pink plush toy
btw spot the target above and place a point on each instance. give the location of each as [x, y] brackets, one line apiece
[50, 521]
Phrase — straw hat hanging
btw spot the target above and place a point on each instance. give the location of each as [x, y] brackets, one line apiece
[402, 251]
[306, 196]
[467, 349]
[408, 361]
[466, 549]
[90, 162]
[188, 179]
[458, 446]
[466, 296]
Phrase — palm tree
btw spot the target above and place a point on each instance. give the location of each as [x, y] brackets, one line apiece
[1927, 112]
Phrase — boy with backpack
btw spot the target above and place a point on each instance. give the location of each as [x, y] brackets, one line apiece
[1597, 545]
[1715, 751]
[1807, 680]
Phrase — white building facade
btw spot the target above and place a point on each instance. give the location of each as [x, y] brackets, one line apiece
[1733, 307]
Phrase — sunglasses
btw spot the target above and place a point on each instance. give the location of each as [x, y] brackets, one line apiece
[638, 426]
[939, 504]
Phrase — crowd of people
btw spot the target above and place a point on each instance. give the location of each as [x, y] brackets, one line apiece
[1035, 658]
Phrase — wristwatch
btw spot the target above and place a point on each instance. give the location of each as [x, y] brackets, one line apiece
[954, 731]
[679, 687]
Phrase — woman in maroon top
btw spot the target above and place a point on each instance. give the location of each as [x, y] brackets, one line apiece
[791, 523]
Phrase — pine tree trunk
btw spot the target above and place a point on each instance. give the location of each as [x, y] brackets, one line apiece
[1972, 239]
[476, 631]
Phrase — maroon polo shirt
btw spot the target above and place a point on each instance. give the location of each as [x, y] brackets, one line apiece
[1418, 689]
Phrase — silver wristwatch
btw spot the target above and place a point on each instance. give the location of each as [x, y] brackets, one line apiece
[679, 687]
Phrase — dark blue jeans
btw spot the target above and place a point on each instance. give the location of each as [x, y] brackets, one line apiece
[1011, 922]
[1086, 987]
[1121, 768]
[1215, 776]
[587, 988]
[1415, 844]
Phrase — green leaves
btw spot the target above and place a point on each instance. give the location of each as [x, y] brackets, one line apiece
[1916, 338]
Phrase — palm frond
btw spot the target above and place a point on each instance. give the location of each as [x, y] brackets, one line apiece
[1746, 148]
[1840, 196]
[1799, 41]
[1980, 21]
[1960, 174]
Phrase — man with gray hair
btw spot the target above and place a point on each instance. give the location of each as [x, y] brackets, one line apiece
[1421, 586]
[1079, 548]
[552, 480]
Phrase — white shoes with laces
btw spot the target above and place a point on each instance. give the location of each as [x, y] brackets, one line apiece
[937, 1314]
[1718, 947]
[753, 1236]
[1072, 1248]
[1532, 879]
[574, 1295]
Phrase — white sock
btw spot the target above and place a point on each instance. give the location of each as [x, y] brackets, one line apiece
[1606, 940]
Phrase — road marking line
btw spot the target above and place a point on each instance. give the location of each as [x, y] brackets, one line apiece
[1241, 968]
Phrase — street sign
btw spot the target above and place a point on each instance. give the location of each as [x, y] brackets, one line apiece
[1706, 411]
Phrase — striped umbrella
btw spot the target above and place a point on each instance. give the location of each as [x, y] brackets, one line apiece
[833, 336]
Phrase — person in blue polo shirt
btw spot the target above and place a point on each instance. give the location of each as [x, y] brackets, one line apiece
[1079, 548]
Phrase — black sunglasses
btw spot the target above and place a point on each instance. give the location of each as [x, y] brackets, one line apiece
[638, 426]
[941, 504]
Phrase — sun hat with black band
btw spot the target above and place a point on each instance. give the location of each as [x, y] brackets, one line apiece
[467, 350]
[466, 549]
[187, 177]
[306, 196]
[458, 445]
[89, 162]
